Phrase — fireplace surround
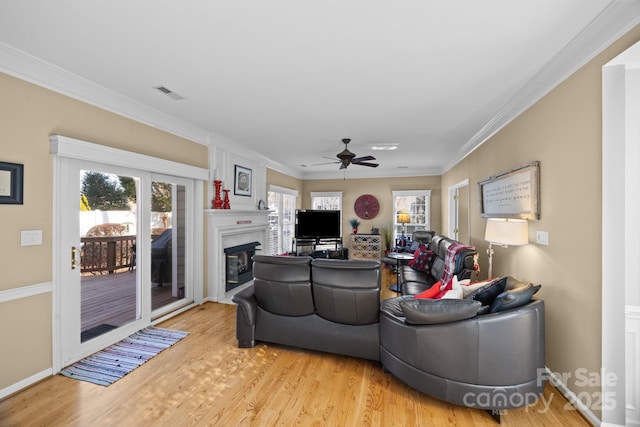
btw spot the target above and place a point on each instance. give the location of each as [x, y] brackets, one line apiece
[227, 228]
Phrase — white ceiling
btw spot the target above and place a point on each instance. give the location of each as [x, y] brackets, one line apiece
[290, 78]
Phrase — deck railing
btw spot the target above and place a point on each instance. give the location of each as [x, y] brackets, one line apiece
[107, 254]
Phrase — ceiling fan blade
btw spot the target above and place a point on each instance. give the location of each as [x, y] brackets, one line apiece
[373, 165]
[362, 159]
[327, 163]
[344, 165]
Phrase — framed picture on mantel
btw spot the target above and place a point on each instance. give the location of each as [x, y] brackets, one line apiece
[512, 194]
[242, 181]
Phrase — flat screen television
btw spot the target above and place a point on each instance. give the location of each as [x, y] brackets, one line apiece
[318, 224]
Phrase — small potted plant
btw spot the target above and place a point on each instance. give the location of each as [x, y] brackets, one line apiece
[354, 223]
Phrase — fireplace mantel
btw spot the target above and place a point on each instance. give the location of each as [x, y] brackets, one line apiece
[229, 227]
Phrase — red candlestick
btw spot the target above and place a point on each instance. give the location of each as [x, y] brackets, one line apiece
[217, 201]
[226, 204]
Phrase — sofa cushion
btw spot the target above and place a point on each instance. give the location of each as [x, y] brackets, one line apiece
[282, 285]
[392, 307]
[426, 311]
[487, 293]
[422, 259]
[514, 298]
[346, 291]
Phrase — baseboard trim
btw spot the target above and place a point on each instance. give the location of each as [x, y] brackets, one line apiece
[21, 385]
[571, 397]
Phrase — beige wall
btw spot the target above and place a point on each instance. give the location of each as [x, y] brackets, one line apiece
[564, 132]
[379, 187]
[29, 115]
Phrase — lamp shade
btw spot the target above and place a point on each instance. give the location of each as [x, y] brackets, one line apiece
[514, 232]
[403, 218]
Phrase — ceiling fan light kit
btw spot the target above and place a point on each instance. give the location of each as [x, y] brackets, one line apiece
[347, 158]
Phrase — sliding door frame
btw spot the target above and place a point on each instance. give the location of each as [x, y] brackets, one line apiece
[64, 147]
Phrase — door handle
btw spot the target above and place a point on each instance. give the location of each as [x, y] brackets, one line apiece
[73, 257]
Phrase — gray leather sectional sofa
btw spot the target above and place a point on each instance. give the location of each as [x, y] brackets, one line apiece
[444, 348]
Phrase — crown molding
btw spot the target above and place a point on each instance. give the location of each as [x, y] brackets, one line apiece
[614, 21]
[26, 67]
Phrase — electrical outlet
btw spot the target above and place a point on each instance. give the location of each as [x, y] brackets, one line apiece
[30, 237]
[542, 237]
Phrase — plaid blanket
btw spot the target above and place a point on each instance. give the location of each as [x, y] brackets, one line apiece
[450, 259]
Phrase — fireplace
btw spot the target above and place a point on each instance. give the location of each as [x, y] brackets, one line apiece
[238, 264]
[228, 228]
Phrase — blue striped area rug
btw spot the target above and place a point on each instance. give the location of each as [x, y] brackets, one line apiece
[114, 362]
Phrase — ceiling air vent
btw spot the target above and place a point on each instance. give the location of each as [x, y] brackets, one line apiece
[171, 94]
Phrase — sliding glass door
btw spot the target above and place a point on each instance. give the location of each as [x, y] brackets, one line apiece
[125, 245]
[99, 231]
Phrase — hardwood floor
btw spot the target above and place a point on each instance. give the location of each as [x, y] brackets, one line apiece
[206, 380]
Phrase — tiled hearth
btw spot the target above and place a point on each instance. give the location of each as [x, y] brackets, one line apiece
[228, 228]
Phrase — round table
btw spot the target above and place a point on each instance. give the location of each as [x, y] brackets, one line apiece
[399, 257]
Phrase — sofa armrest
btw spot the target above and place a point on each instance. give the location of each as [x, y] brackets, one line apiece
[246, 308]
[498, 349]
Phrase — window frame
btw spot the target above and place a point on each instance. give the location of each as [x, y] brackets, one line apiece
[397, 227]
[282, 247]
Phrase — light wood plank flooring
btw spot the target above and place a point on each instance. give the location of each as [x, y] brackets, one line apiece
[206, 380]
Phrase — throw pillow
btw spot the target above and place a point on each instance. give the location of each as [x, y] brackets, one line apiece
[470, 287]
[429, 293]
[445, 288]
[487, 293]
[514, 298]
[456, 290]
[425, 312]
[422, 259]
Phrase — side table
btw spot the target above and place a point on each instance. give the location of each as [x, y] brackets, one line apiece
[400, 257]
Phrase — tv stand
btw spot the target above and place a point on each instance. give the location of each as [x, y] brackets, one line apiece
[320, 248]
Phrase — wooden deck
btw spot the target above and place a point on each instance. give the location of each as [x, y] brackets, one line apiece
[110, 299]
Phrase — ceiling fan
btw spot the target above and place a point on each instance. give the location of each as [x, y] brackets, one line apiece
[347, 158]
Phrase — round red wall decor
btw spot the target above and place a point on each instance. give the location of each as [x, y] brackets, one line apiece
[366, 206]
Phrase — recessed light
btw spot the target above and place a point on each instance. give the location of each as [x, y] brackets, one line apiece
[384, 147]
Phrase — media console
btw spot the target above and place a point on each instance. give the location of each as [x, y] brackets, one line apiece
[320, 248]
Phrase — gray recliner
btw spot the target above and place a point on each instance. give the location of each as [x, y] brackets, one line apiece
[321, 304]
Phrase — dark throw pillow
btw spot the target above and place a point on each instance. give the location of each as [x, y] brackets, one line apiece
[427, 312]
[514, 298]
[422, 259]
[487, 293]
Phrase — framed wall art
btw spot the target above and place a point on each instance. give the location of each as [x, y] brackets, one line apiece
[242, 181]
[512, 194]
[11, 183]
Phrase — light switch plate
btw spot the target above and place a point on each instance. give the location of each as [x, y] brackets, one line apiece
[30, 237]
[542, 237]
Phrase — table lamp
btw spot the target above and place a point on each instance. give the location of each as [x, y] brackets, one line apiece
[403, 218]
